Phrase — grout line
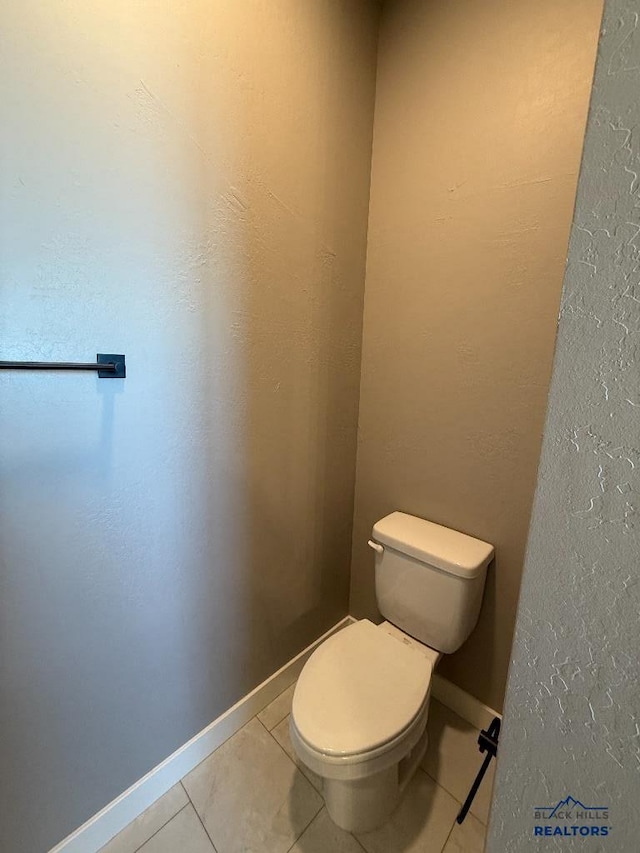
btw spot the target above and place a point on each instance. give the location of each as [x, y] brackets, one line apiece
[448, 835]
[277, 723]
[457, 799]
[313, 818]
[297, 770]
[308, 826]
[317, 817]
[442, 788]
[160, 828]
[440, 785]
[323, 806]
[358, 842]
[280, 747]
[199, 818]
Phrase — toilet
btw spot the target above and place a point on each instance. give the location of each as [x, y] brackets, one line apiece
[361, 703]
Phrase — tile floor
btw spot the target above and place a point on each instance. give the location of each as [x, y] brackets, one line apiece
[253, 796]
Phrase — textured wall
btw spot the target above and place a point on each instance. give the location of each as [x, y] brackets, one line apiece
[573, 702]
[186, 183]
[480, 112]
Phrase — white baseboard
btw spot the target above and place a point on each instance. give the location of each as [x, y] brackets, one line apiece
[463, 704]
[102, 827]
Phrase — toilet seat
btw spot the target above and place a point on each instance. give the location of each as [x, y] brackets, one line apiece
[360, 694]
[361, 765]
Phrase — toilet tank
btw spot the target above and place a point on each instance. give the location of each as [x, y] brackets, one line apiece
[429, 579]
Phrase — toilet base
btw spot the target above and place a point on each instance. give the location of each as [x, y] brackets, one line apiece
[361, 805]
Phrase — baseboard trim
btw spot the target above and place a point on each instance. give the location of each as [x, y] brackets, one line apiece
[108, 822]
[462, 703]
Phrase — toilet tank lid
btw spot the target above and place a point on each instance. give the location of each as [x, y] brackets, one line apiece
[434, 544]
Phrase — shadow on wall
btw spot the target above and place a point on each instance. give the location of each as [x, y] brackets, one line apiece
[190, 189]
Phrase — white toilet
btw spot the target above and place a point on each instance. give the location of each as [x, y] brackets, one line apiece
[360, 707]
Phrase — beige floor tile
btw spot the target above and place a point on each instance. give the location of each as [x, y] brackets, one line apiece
[149, 822]
[281, 734]
[453, 758]
[250, 795]
[323, 836]
[467, 837]
[183, 834]
[275, 712]
[420, 824]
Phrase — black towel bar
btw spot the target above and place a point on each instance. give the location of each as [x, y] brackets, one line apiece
[108, 365]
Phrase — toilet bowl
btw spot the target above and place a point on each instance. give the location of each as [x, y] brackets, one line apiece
[361, 704]
[359, 719]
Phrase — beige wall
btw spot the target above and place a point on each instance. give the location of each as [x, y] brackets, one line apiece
[480, 114]
[186, 183]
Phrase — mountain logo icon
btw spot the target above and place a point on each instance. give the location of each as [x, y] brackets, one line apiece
[568, 804]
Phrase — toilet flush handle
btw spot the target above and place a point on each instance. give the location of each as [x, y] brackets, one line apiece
[376, 547]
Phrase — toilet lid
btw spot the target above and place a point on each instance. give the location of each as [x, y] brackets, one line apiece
[359, 689]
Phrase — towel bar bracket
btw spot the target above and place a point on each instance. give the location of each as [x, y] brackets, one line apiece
[118, 363]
